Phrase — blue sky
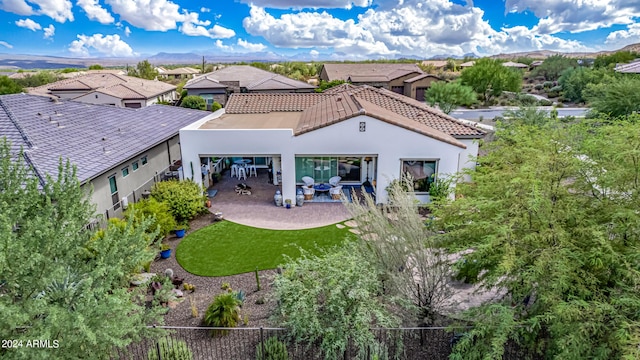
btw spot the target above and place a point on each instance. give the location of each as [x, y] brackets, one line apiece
[341, 29]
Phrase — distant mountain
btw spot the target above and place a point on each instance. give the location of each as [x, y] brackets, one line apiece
[543, 54]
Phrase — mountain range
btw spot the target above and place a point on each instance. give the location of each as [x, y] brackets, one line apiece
[16, 61]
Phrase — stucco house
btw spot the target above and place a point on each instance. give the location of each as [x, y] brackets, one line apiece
[109, 89]
[406, 79]
[361, 133]
[219, 84]
[118, 152]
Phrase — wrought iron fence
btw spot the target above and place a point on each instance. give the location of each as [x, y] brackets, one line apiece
[249, 344]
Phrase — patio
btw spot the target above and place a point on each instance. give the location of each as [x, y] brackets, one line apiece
[259, 210]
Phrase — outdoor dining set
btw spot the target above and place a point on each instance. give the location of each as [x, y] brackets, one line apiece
[243, 168]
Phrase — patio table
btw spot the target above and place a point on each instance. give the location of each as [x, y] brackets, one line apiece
[243, 162]
[322, 187]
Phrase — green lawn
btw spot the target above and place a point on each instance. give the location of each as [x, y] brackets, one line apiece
[227, 248]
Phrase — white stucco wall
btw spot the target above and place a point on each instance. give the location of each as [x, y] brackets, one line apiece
[99, 98]
[389, 143]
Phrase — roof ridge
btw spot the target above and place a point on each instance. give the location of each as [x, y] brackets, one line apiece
[128, 87]
[15, 122]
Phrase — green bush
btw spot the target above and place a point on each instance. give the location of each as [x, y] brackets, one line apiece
[224, 311]
[544, 102]
[539, 87]
[547, 84]
[193, 102]
[185, 199]
[216, 106]
[557, 89]
[170, 350]
[163, 221]
[274, 349]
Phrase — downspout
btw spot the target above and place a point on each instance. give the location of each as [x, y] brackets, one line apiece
[169, 153]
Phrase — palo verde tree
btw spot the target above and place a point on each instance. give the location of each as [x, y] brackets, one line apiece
[403, 251]
[60, 282]
[488, 78]
[618, 97]
[144, 70]
[449, 95]
[551, 219]
[553, 66]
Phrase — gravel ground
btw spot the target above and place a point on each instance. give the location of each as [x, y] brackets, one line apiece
[208, 287]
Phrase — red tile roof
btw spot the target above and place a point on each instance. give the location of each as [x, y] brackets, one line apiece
[346, 101]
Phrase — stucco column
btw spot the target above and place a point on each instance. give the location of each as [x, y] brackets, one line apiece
[189, 158]
[288, 164]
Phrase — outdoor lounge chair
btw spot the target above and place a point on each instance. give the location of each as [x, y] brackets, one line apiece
[308, 181]
[336, 192]
[334, 181]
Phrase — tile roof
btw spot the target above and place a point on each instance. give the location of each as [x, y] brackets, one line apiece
[375, 71]
[181, 71]
[630, 68]
[420, 77]
[93, 137]
[251, 78]
[346, 101]
[515, 65]
[120, 86]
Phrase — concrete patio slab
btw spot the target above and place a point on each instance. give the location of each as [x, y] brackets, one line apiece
[259, 210]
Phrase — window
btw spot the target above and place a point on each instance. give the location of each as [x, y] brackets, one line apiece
[208, 98]
[422, 172]
[143, 160]
[112, 184]
[125, 171]
[134, 166]
[321, 169]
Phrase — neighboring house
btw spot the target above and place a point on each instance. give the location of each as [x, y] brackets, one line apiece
[436, 64]
[118, 152]
[405, 79]
[630, 68]
[179, 73]
[219, 84]
[359, 133]
[467, 64]
[516, 65]
[109, 89]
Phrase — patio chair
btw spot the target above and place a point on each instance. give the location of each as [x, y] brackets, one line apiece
[336, 192]
[251, 169]
[234, 170]
[334, 181]
[242, 174]
[308, 181]
[308, 192]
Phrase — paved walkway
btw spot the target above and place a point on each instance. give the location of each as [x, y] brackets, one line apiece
[258, 209]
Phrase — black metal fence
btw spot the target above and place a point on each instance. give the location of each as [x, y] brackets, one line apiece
[197, 343]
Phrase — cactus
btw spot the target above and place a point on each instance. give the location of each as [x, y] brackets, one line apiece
[168, 273]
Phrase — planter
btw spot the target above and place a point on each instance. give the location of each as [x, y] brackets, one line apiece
[165, 254]
[180, 233]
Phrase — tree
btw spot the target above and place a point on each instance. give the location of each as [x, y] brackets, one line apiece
[38, 79]
[193, 102]
[553, 66]
[551, 219]
[329, 299]
[397, 244]
[603, 61]
[96, 67]
[619, 97]
[488, 78]
[8, 86]
[324, 85]
[144, 70]
[575, 80]
[448, 96]
[59, 282]
[162, 222]
[185, 199]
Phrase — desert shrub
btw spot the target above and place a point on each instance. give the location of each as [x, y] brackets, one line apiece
[216, 106]
[193, 102]
[557, 88]
[545, 102]
[274, 349]
[170, 349]
[547, 84]
[539, 86]
[185, 199]
[163, 220]
[526, 100]
[224, 311]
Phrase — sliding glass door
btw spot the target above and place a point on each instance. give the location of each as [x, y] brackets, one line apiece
[322, 168]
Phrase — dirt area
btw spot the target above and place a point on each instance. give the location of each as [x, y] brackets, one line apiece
[208, 287]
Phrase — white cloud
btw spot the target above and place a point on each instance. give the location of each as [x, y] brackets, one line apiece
[222, 46]
[205, 10]
[127, 31]
[19, 7]
[310, 4]
[49, 31]
[95, 11]
[623, 38]
[6, 44]
[160, 15]
[576, 15]
[251, 46]
[421, 28]
[314, 53]
[106, 45]
[215, 32]
[28, 24]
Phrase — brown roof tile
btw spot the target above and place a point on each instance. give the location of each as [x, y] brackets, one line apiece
[376, 71]
[322, 109]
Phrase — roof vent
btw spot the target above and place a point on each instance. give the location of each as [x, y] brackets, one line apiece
[338, 99]
[104, 139]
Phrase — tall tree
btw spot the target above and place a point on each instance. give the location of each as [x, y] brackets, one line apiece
[551, 219]
[8, 86]
[144, 70]
[575, 80]
[449, 95]
[618, 97]
[488, 78]
[553, 66]
[59, 281]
